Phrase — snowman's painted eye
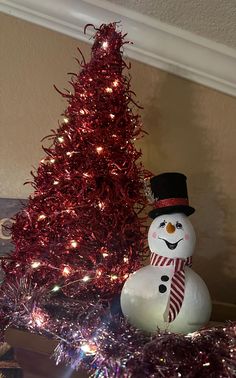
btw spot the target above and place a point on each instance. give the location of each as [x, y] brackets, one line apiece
[162, 224]
[179, 225]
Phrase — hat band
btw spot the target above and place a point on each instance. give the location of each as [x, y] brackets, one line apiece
[171, 202]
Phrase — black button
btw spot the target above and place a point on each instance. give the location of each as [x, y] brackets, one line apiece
[162, 288]
[165, 278]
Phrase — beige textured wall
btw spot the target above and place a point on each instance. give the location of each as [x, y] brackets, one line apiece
[191, 130]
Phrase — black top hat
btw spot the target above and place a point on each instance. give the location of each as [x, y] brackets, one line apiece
[170, 193]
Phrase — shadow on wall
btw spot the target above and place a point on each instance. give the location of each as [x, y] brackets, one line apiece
[178, 140]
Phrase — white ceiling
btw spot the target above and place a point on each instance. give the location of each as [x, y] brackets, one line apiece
[213, 19]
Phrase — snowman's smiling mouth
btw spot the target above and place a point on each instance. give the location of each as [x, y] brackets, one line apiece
[171, 245]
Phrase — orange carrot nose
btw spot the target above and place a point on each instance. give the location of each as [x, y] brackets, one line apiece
[170, 228]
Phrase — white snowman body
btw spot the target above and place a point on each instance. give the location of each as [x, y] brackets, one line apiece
[145, 295]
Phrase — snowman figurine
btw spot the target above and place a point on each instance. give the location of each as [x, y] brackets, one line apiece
[168, 294]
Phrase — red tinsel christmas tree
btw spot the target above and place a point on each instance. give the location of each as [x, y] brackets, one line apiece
[80, 231]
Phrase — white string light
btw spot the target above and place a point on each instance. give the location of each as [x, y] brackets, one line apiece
[60, 139]
[73, 243]
[99, 149]
[35, 264]
[85, 278]
[105, 45]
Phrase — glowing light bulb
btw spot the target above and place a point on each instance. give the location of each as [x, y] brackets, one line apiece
[66, 271]
[126, 275]
[85, 348]
[115, 83]
[73, 243]
[39, 320]
[38, 317]
[89, 349]
[86, 278]
[65, 120]
[60, 139]
[113, 277]
[52, 161]
[101, 205]
[41, 217]
[104, 251]
[82, 111]
[112, 116]
[99, 149]
[56, 288]
[108, 90]
[35, 264]
[105, 45]
[86, 175]
[126, 259]
[55, 182]
[42, 161]
[69, 153]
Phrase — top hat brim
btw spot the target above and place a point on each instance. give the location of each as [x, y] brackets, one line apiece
[187, 210]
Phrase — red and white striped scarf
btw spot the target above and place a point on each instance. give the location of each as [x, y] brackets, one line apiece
[177, 283]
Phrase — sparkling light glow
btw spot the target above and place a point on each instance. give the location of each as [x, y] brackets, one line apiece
[98, 273]
[41, 217]
[38, 318]
[114, 277]
[73, 243]
[105, 45]
[66, 271]
[109, 90]
[35, 264]
[56, 288]
[86, 174]
[89, 349]
[86, 278]
[99, 149]
[101, 205]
